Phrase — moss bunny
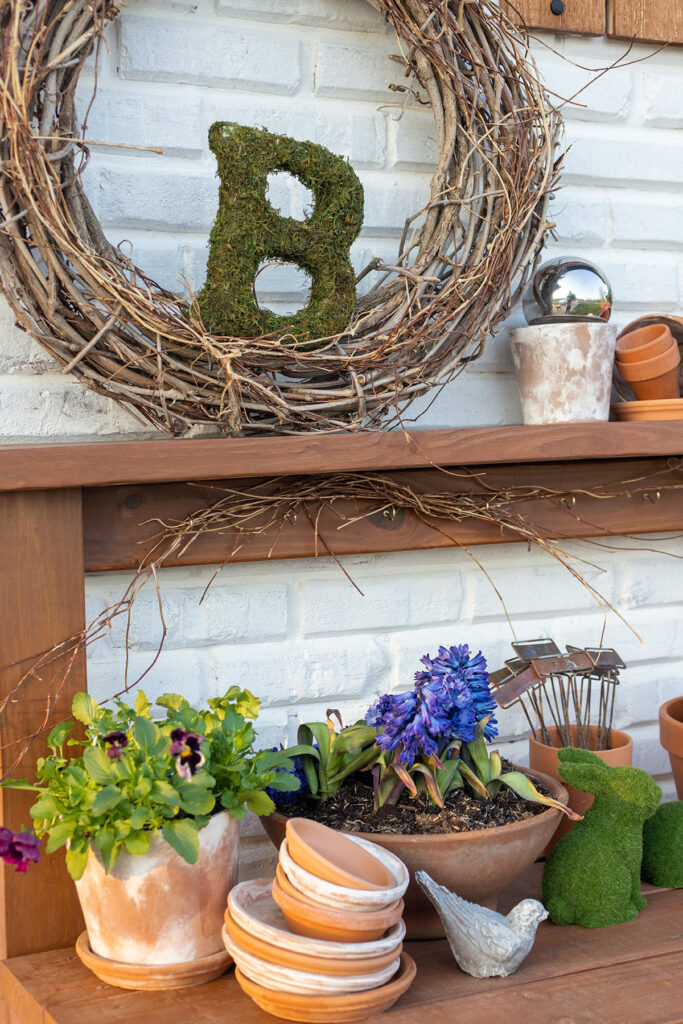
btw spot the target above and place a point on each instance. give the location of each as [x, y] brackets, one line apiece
[592, 877]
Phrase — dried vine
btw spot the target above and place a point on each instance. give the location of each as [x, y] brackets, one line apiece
[267, 507]
[461, 263]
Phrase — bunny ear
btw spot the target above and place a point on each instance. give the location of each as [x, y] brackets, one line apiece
[584, 775]
[574, 755]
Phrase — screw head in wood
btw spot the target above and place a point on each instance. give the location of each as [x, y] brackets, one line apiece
[557, 6]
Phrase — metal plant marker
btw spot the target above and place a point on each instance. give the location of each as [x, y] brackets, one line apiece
[574, 692]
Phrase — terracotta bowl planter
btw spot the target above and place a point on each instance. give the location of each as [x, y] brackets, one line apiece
[477, 865]
[654, 378]
[156, 909]
[671, 738]
[543, 758]
[564, 371]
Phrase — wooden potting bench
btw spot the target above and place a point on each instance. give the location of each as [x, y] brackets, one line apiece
[70, 509]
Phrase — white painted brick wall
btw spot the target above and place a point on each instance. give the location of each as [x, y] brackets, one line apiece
[298, 633]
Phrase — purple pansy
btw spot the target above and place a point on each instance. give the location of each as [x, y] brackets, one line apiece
[185, 749]
[447, 702]
[19, 848]
[116, 742]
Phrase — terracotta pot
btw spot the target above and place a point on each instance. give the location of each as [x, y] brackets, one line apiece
[654, 378]
[305, 917]
[157, 909]
[643, 343]
[543, 758]
[325, 853]
[477, 865]
[280, 954]
[152, 977]
[662, 409]
[321, 1009]
[671, 738]
[564, 371]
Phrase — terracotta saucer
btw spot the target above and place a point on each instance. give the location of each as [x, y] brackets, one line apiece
[333, 856]
[342, 897]
[288, 979]
[657, 409]
[150, 976]
[252, 907]
[304, 961]
[331, 1009]
[319, 922]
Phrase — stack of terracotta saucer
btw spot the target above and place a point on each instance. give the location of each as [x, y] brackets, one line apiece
[323, 940]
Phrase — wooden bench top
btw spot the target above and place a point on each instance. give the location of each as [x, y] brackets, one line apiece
[627, 974]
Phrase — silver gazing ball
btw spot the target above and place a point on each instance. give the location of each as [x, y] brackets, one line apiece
[567, 289]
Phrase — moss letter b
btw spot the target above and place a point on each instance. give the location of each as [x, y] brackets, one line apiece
[248, 231]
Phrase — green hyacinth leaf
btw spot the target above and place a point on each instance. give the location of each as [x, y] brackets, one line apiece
[525, 788]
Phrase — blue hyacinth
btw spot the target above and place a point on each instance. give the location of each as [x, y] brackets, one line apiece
[283, 798]
[448, 701]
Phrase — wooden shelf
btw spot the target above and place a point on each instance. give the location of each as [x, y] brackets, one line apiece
[42, 467]
[627, 973]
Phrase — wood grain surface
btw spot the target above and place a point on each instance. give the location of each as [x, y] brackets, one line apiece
[42, 602]
[659, 21]
[121, 522]
[26, 467]
[583, 16]
[626, 974]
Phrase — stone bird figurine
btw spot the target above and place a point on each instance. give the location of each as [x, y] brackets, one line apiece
[484, 943]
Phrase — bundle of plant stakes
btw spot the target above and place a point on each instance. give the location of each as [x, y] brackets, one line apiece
[572, 692]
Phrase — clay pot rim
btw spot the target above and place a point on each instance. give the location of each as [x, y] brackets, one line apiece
[630, 353]
[374, 979]
[302, 943]
[341, 897]
[670, 728]
[556, 789]
[401, 981]
[312, 858]
[325, 916]
[338, 966]
[650, 369]
[627, 740]
[652, 409]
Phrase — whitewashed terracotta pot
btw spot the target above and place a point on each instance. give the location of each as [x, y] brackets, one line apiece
[564, 371]
[157, 908]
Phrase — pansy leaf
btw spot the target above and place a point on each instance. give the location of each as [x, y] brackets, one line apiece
[20, 784]
[85, 709]
[137, 843]
[145, 733]
[285, 782]
[55, 740]
[99, 767]
[182, 836]
[47, 807]
[139, 818]
[172, 701]
[164, 793]
[108, 847]
[59, 834]
[105, 800]
[76, 860]
[259, 802]
[196, 799]
[142, 705]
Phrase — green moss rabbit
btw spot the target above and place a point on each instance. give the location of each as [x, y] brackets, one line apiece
[592, 877]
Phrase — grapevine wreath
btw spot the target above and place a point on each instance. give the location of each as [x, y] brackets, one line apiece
[460, 264]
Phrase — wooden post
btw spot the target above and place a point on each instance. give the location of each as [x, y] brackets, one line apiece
[42, 601]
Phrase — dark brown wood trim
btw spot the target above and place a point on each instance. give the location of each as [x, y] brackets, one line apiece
[26, 467]
[42, 602]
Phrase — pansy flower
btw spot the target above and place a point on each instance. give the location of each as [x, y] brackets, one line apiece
[116, 742]
[19, 848]
[185, 748]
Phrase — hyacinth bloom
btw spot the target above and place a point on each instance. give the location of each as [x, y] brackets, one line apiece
[185, 749]
[19, 849]
[448, 701]
[116, 742]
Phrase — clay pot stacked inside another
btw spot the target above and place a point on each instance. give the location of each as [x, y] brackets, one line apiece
[648, 360]
[324, 938]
